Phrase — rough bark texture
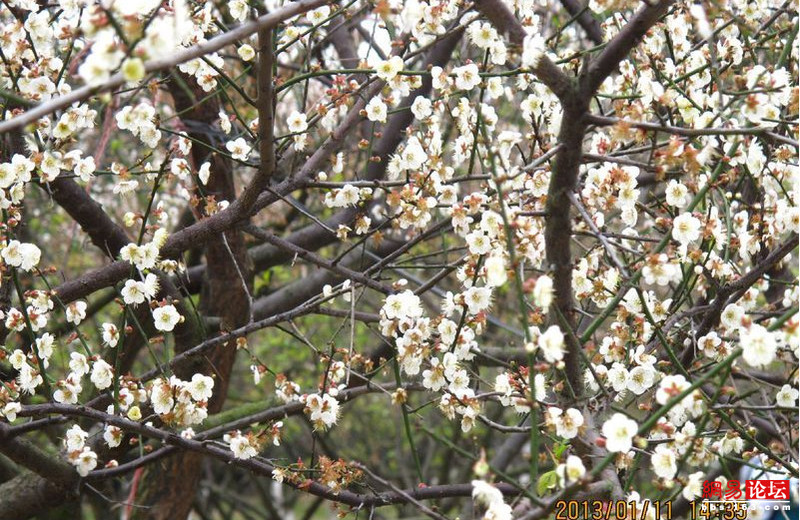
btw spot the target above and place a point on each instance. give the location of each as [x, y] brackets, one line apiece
[558, 234]
[169, 487]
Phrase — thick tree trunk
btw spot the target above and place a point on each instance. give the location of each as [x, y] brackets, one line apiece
[170, 487]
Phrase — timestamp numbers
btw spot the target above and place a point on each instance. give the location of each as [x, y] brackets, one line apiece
[613, 510]
[724, 510]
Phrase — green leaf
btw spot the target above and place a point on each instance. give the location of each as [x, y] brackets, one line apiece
[558, 450]
[546, 482]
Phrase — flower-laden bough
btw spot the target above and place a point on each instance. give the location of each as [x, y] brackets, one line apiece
[423, 254]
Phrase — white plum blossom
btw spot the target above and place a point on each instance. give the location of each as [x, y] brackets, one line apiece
[10, 411]
[787, 397]
[619, 431]
[491, 499]
[551, 344]
[759, 346]
[102, 374]
[322, 410]
[85, 461]
[694, 488]
[243, 446]
[496, 270]
[110, 334]
[533, 50]
[113, 436]
[166, 317]
[297, 122]
[239, 149]
[641, 379]
[23, 255]
[676, 194]
[571, 471]
[467, 77]
[76, 312]
[75, 438]
[686, 228]
[201, 387]
[477, 299]
[543, 292]
[664, 463]
[405, 304]
[376, 110]
[161, 397]
[567, 422]
[388, 69]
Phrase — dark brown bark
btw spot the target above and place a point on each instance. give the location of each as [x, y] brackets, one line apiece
[89, 214]
[585, 19]
[170, 486]
[558, 235]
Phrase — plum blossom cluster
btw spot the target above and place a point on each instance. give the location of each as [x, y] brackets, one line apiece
[665, 221]
[182, 403]
[247, 446]
[491, 499]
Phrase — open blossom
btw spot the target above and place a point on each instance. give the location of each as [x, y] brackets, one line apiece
[242, 446]
[29, 379]
[676, 194]
[110, 334]
[68, 390]
[297, 122]
[239, 149]
[422, 107]
[759, 346]
[376, 110]
[113, 436]
[567, 422]
[731, 316]
[491, 498]
[76, 312]
[551, 344]
[663, 460]
[787, 396]
[641, 379]
[85, 461]
[133, 292]
[405, 304]
[694, 487]
[543, 292]
[533, 50]
[78, 364]
[238, 9]
[201, 387]
[10, 410]
[685, 228]
[75, 438]
[143, 257]
[477, 299]
[496, 271]
[388, 69]
[670, 387]
[102, 374]
[161, 397]
[23, 255]
[44, 347]
[571, 471]
[413, 155]
[467, 77]
[323, 410]
[619, 432]
[165, 318]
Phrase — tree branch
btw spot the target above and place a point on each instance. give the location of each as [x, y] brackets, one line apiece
[266, 21]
